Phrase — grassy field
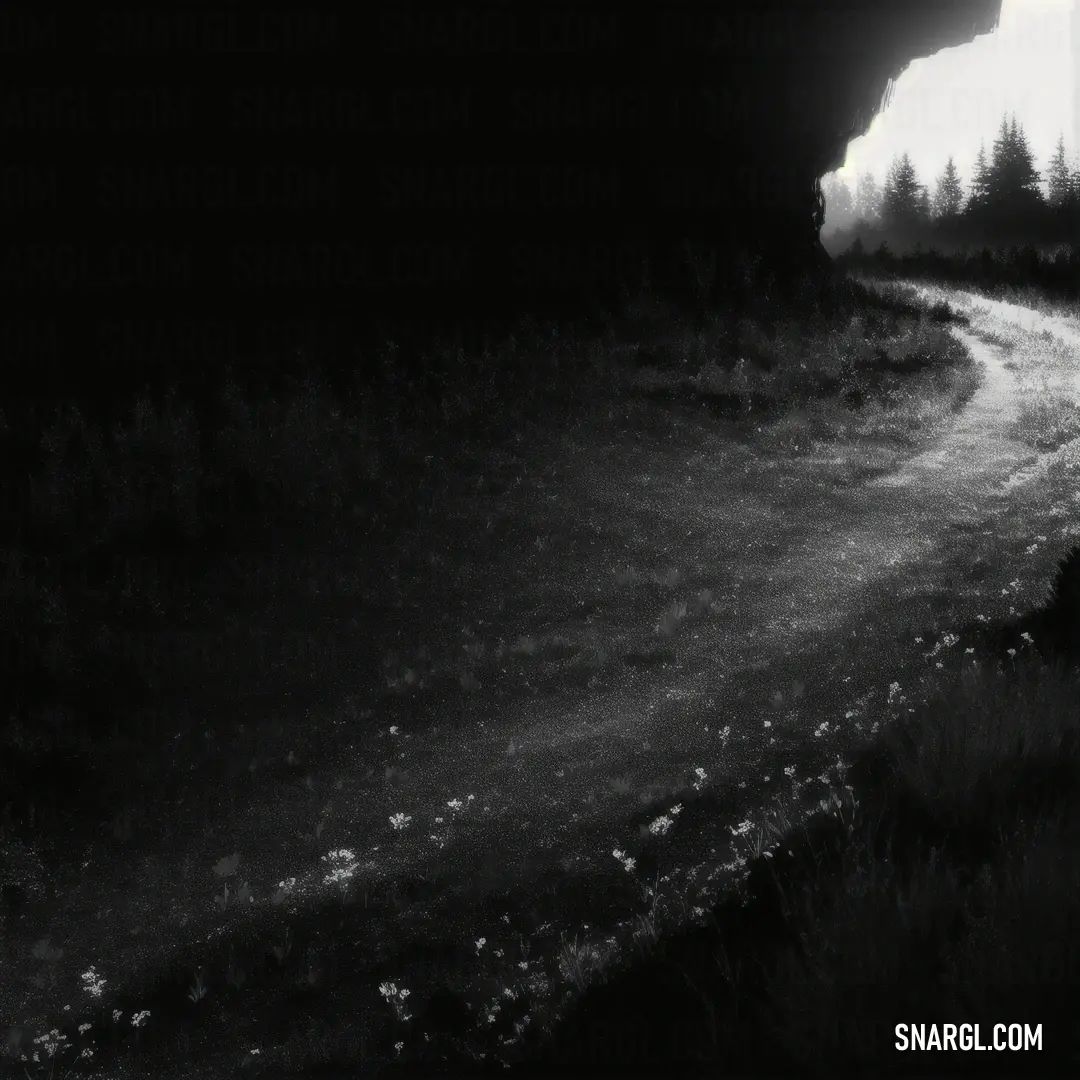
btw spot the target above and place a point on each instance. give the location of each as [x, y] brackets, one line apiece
[439, 721]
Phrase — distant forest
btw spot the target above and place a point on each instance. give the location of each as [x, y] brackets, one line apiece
[1005, 201]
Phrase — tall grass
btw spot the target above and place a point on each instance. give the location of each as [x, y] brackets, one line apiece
[948, 896]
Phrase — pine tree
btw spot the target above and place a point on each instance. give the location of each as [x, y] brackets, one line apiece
[1001, 164]
[1013, 178]
[900, 197]
[923, 203]
[868, 199]
[1026, 177]
[949, 197]
[980, 181]
[839, 204]
[1058, 178]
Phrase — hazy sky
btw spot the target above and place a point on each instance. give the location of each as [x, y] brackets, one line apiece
[945, 103]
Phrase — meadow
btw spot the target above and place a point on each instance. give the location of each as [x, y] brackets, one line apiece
[602, 702]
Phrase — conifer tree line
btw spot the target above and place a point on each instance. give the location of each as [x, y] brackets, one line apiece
[1005, 187]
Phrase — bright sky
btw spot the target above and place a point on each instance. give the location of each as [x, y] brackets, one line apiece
[945, 103]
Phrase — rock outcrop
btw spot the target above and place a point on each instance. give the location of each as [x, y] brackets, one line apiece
[636, 129]
[432, 161]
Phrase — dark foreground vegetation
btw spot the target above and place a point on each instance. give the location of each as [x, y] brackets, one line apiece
[174, 586]
[939, 889]
[1020, 273]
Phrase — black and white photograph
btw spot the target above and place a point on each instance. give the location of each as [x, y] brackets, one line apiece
[540, 538]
